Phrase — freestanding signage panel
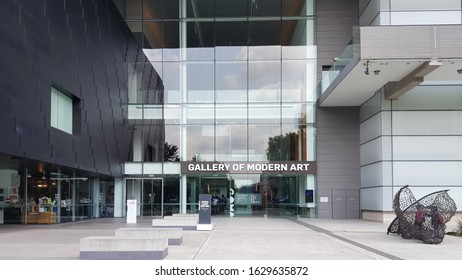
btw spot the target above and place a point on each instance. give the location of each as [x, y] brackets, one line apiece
[205, 212]
[131, 211]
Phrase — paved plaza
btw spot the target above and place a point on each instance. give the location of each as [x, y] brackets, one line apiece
[238, 238]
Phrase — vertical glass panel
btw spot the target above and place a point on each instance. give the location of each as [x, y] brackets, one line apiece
[160, 9]
[200, 54]
[161, 34]
[264, 81]
[61, 111]
[133, 9]
[235, 8]
[200, 142]
[200, 82]
[231, 143]
[246, 186]
[294, 74]
[265, 113]
[264, 33]
[200, 34]
[310, 143]
[172, 148]
[297, 7]
[231, 53]
[153, 139]
[298, 113]
[231, 33]
[172, 114]
[264, 53]
[171, 54]
[152, 35]
[171, 195]
[200, 9]
[291, 143]
[297, 32]
[171, 79]
[199, 114]
[231, 81]
[143, 86]
[193, 190]
[231, 113]
[152, 112]
[83, 199]
[153, 55]
[265, 8]
[259, 139]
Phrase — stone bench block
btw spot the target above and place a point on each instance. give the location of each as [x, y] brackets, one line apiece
[181, 218]
[123, 248]
[174, 235]
[185, 224]
[186, 215]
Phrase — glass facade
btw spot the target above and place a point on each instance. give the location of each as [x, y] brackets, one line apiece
[236, 84]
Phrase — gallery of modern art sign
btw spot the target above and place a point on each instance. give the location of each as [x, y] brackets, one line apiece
[249, 167]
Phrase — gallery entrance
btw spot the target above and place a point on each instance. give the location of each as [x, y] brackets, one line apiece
[248, 194]
[148, 195]
[156, 196]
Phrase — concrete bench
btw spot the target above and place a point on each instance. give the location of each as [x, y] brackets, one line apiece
[186, 215]
[196, 218]
[185, 224]
[123, 248]
[174, 235]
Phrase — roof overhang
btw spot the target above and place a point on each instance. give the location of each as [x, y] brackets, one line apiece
[399, 58]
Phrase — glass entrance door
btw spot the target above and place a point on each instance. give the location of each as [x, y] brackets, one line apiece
[148, 192]
[152, 202]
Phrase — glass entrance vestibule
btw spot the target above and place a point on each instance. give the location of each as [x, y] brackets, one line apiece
[232, 194]
[253, 194]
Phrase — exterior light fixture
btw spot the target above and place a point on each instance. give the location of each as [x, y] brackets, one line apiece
[367, 68]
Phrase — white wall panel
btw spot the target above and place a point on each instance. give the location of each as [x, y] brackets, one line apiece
[371, 175]
[379, 199]
[427, 148]
[371, 152]
[370, 129]
[427, 123]
[410, 5]
[425, 18]
[376, 150]
[152, 168]
[172, 168]
[133, 168]
[384, 18]
[427, 173]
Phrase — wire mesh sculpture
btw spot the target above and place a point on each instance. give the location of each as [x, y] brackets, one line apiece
[423, 219]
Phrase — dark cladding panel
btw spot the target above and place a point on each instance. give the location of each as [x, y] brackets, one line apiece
[81, 47]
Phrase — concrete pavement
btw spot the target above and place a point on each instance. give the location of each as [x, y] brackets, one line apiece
[238, 238]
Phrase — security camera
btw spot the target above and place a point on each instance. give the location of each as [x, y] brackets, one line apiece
[376, 72]
[366, 71]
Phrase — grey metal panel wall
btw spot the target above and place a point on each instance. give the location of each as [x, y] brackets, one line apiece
[411, 42]
[334, 22]
[80, 46]
[338, 159]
